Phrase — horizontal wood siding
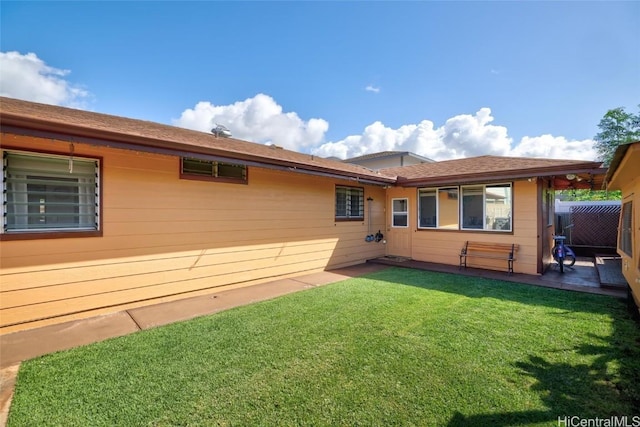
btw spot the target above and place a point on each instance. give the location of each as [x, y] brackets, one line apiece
[164, 237]
[627, 179]
[442, 246]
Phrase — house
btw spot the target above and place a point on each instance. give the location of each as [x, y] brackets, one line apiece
[388, 159]
[624, 174]
[104, 213]
[436, 207]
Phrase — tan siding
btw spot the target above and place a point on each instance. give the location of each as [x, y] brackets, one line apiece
[627, 179]
[441, 246]
[160, 289]
[164, 236]
[70, 273]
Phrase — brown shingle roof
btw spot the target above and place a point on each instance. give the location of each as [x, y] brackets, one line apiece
[484, 168]
[80, 125]
[84, 126]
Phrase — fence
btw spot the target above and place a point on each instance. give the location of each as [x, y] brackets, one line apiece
[593, 225]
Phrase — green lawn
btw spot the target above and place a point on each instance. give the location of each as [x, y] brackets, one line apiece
[398, 347]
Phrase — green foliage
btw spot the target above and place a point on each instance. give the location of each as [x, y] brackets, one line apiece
[398, 347]
[616, 127]
[588, 195]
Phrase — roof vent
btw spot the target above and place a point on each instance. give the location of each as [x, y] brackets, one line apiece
[220, 130]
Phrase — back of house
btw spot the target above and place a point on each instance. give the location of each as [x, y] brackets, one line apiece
[624, 174]
[104, 213]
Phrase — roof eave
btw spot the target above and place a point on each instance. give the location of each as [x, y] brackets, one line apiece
[41, 128]
[618, 155]
[484, 177]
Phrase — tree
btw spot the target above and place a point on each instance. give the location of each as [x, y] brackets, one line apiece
[616, 127]
[590, 195]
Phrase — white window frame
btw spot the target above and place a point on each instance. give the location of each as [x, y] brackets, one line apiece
[394, 212]
[42, 168]
[484, 207]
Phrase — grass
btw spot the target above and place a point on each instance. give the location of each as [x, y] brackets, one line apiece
[398, 347]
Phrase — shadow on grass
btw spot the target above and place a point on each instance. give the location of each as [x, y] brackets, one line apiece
[613, 375]
[561, 385]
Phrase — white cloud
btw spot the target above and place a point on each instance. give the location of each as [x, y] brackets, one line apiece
[555, 147]
[461, 136]
[28, 77]
[258, 119]
[261, 119]
[475, 136]
[420, 139]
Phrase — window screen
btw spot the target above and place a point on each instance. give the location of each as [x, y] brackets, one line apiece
[400, 214]
[625, 239]
[46, 193]
[349, 203]
[207, 169]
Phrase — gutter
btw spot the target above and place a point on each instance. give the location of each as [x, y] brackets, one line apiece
[477, 178]
[46, 130]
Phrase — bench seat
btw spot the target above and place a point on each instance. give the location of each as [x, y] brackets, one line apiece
[500, 251]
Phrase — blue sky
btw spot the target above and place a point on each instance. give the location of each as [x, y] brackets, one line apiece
[444, 79]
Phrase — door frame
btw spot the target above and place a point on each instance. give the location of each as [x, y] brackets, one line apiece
[399, 237]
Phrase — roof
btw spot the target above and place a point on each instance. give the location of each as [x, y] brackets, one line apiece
[74, 125]
[616, 161]
[383, 154]
[494, 168]
[67, 124]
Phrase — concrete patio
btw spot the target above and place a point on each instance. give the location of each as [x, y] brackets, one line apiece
[584, 276]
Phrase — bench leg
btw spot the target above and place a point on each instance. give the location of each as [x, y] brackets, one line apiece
[510, 266]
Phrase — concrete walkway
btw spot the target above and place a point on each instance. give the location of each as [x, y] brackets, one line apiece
[19, 346]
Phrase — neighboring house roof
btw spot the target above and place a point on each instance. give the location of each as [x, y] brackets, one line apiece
[385, 154]
[68, 124]
[496, 168]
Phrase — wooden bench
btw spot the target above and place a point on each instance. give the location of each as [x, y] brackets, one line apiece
[505, 251]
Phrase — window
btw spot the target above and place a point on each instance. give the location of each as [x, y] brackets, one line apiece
[625, 240]
[473, 207]
[50, 193]
[349, 203]
[550, 207]
[438, 208]
[400, 213]
[427, 208]
[487, 207]
[212, 171]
